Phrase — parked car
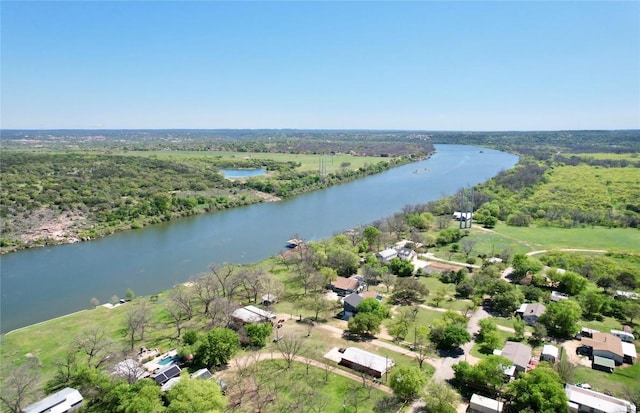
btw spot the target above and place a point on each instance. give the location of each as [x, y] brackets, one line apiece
[584, 385]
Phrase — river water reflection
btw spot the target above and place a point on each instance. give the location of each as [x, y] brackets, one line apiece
[43, 283]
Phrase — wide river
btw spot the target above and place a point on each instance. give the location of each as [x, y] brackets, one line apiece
[43, 283]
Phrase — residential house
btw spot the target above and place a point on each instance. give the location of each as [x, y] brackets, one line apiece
[164, 375]
[481, 404]
[363, 361]
[350, 303]
[387, 255]
[605, 345]
[406, 254]
[519, 354]
[530, 312]
[345, 286]
[439, 267]
[251, 314]
[549, 353]
[584, 400]
[63, 401]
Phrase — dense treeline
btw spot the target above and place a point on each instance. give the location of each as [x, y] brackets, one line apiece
[56, 197]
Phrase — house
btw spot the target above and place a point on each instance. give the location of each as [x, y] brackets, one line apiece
[519, 354]
[130, 369]
[549, 353]
[63, 401]
[584, 400]
[481, 404]
[605, 345]
[462, 216]
[557, 296]
[623, 335]
[603, 364]
[627, 294]
[166, 374]
[530, 312]
[363, 361]
[387, 255]
[439, 267]
[350, 303]
[251, 314]
[345, 286]
[629, 353]
[406, 254]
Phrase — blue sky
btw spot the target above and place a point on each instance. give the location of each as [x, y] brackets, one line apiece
[321, 65]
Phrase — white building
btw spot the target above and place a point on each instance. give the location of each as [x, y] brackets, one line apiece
[66, 400]
[583, 400]
[481, 404]
[549, 353]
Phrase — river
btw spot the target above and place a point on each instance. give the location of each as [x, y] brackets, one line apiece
[44, 283]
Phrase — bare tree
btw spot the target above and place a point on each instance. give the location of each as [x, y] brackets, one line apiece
[467, 245]
[20, 386]
[137, 320]
[442, 221]
[182, 297]
[177, 315]
[65, 367]
[290, 347]
[227, 276]
[388, 279]
[252, 282]
[207, 288]
[220, 312]
[130, 370]
[318, 304]
[397, 224]
[96, 344]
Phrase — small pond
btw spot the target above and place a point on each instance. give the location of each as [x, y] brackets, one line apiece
[242, 173]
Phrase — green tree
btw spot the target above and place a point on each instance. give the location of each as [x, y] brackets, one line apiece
[441, 398]
[449, 336]
[439, 296]
[372, 236]
[591, 303]
[540, 390]
[408, 291]
[318, 304]
[401, 268]
[561, 318]
[143, 396]
[258, 333]
[365, 323]
[193, 395]
[505, 303]
[488, 374]
[407, 382]
[518, 326]
[572, 283]
[217, 347]
[373, 306]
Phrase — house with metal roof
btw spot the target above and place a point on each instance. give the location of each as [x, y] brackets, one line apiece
[482, 404]
[166, 374]
[364, 361]
[385, 256]
[252, 314]
[530, 312]
[549, 353]
[63, 401]
[629, 353]
[584, 400]
[605, 345]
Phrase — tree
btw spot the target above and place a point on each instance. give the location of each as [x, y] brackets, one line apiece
[217, 347]
[407, 382]
[365, 323]
[523, 264]
[488, 336]
[422, 347]
[182, 297]
[449, 336]
[439, 296]
[290, 347]
[539, 332]
[540, 390]
[488, 374]
[318, 304]
[401, 268]
[441, 398]
[344, 261]
[137, 320]
[20, 385]
[388, 279]
[518, 327]
[572, 283]
[94, 302]
[96, 344]
[467, 245]
[258, 333]
[465, 289]
[143, 396]
[373, 306]
[372, 236]
[193, 395]
[177, 315]
[631, 310]
[591, 303]
[408, 291]
[508, 301]
[130, 295]
[561, 318]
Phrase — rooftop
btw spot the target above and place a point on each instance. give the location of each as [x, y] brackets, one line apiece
[364, 358]
[60, 401]
[518, 353]
[343, 283]
[597, 401]
[604, 342]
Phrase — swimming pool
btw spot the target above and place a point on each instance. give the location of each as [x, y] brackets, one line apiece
[169, 360]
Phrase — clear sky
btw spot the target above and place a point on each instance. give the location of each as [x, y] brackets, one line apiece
[321, 65]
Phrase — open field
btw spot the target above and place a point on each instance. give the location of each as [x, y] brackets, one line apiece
[307, 162]
[622, 379]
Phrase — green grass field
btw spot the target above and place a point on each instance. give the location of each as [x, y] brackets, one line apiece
[623, 379]
[333, 163]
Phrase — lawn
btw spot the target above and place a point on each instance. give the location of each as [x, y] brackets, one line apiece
[607, 323]
[622, 379]
[504, 336]
[588, 238]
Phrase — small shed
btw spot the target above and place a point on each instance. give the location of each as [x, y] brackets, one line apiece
[482, 404]
[604, 364]
[269, 299]
[549, 353]
[170, 384]
[251, 314]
